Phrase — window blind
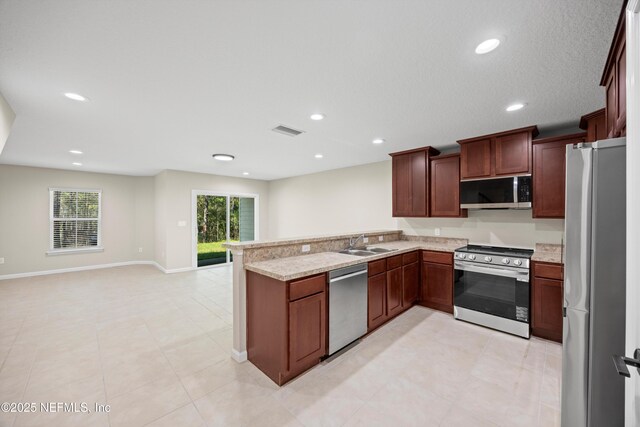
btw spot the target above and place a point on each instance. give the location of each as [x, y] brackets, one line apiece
[75, 218]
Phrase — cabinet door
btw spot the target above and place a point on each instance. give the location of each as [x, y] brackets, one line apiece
[475, 159]
[445, 187]
[547, 308]
[513, 154]
[410, 284]
[548, 179]
[394, 291]
[409, 184]
[307, 331]
[437, 286]
[377, 300]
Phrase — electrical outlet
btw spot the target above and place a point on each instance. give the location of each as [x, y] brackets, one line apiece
[140, 250]
[380, 238]
[1, 260]
[365, 240]
[306, 248]
[437, 231]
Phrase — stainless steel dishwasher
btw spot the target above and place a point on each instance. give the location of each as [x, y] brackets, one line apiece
[347, 306]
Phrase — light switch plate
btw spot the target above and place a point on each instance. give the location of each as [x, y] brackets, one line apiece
[437, 231]
[306, 248]
[365, 240]
[1, 260]
[140, 250]
[381, 238]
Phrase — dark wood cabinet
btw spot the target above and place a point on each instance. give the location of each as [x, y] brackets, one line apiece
[614, 81]
[377, 301]
[409, 182]
[307, 333]
[475, 159]
[410, 283]
[286, 324]
[595, 125]
[549, 156]
[445, 187]
[503, 153]
[394, 291]
[546, 297]
[437, 280]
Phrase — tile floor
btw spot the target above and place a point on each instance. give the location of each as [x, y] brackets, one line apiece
[156, 348]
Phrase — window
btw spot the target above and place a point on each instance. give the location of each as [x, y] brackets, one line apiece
[75, 217]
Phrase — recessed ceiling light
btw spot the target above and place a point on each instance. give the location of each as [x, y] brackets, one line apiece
[223, 157]
[487, 46]
[515, 107]
[378, 141]
[317, 116]
[75, 96]
[245, 173]
[77, 164]
[75, 151]
[319, 156]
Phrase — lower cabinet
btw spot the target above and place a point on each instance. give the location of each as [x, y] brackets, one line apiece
[410, 283]
[377, 301]
[286, 324]
[394, 291]
[437, 280]
[546, 298]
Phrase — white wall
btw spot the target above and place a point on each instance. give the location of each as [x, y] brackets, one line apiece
[7, 116]
[342, 200]
[127, 220]
[173, 204]
[493, 227]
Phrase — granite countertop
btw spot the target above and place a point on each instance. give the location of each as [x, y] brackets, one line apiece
[290, 268]
[546, 252]
[295, 240]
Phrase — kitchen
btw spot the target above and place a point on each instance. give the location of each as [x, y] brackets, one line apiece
[463, 194]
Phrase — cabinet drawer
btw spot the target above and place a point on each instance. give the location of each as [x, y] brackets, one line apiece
[305, 287]
[377, 267]
[394, 262]
[548, 271]
[409, 258]
[437, 257]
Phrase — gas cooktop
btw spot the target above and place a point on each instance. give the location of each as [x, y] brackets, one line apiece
[496, 255]
[497, 250]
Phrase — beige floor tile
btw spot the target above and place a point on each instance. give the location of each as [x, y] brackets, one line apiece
[460, 417]
[194, 355]
[213, 377]
[323, 411]
[147, 403]
[187, 416]
[549, 417]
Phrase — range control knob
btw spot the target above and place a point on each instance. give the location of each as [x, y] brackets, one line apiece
[472, 257]
[517, 262]
[488, 258]
[506, 260]
[461, 256]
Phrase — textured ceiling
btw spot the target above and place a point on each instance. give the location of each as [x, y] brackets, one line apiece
[172, 82]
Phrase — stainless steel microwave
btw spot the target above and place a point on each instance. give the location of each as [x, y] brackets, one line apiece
[509, 192]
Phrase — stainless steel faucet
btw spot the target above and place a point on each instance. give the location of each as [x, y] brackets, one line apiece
[352, 243]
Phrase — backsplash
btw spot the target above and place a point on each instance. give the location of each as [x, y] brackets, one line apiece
[513, 228]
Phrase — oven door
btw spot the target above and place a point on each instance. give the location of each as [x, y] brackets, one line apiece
[497, 291]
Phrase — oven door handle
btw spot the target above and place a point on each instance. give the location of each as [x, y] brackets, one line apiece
[521, 276]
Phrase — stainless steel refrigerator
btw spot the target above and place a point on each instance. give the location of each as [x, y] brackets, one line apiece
[594, 284]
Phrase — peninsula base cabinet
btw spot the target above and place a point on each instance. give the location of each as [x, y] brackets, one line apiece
[437, 280]
[546, 297]
[286, 324]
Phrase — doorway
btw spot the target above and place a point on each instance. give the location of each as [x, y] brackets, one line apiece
[219, 218]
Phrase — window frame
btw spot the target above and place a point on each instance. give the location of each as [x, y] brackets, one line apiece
[83, 249]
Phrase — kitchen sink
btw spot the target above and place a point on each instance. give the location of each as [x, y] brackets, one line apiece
[357, 252]
[380, 250]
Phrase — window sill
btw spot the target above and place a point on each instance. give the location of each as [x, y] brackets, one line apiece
[55, 252]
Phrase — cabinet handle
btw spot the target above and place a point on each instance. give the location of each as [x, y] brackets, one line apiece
[621, 363]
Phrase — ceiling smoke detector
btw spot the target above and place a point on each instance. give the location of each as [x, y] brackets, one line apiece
[285, 130]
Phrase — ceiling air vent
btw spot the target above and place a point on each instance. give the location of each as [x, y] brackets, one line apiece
[287, 130]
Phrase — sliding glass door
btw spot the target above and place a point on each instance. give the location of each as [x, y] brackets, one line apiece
[220, 219]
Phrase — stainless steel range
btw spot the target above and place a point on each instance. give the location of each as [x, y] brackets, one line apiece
[491, 287]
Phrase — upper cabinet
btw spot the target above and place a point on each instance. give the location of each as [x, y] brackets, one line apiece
[444, 180]
[549, 156]
[614, 82]
[409, 183]
[504, 153]
[595, 125]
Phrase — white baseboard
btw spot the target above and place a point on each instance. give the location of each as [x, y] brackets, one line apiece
[83, 268]
[239, 356]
